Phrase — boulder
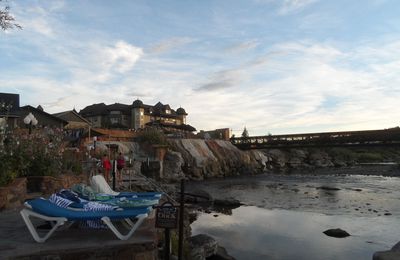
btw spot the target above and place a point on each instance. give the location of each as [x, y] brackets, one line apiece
[327, 188]
[204, 159]
[221, 255]
[337, 232]
[396, 247]
[172, 166]
[202, 246]
[278, 158]
[392, 254]
[386, 255]
[320, 159]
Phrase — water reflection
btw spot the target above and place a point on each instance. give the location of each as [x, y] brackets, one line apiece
[256, 233]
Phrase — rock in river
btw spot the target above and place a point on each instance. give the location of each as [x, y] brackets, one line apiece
[202, 246]
[337, 232]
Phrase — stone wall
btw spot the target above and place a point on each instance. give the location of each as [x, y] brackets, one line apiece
[49, 184]
[13, 195]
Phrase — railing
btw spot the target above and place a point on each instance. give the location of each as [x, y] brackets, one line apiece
[349, 138]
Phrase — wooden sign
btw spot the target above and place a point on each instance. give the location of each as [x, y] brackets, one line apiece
[167, 216]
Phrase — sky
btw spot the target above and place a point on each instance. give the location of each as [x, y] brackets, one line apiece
[272, 66]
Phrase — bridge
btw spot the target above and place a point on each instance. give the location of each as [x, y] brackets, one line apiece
[386, 137]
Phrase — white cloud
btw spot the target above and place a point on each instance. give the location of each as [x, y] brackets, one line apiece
[305, 76]
[39, 25]
[122, 56]
[39, 18]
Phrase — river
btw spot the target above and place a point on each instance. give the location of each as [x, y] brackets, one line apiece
[284, 216]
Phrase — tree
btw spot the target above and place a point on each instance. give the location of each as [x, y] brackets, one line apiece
[7, 20]
[245, 133]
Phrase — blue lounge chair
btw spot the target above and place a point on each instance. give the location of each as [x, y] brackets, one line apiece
[85, 194]
[45, 210]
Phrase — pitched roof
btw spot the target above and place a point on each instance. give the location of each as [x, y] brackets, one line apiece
[95, 109]
[33, 109]
[158, 109]
[74, 119]
[112, 133]
[184, 127]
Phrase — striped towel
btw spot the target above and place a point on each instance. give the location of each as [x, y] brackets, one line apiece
[89, 206]
[95, 206]
[60, 201]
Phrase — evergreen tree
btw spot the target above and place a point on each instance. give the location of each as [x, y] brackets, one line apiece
[245, 133]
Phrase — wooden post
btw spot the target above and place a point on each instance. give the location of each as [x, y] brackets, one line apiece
[167, 244]
[181, 220]
[113, 172]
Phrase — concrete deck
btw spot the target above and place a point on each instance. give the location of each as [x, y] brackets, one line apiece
[74, 243]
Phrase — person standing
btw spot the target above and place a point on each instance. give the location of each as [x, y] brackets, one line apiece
[106, 166]
[120, 167]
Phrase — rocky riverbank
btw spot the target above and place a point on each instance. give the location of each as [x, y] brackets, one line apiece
[199, 159]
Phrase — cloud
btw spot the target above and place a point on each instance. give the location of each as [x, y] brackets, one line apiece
[122, 57]
[313, 87]
[39, 18]
[243, 46]
[170, 44]
[222, 80]
[40, 25]
[292, 6]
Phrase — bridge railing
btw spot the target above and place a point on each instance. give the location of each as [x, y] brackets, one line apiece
[369, 137]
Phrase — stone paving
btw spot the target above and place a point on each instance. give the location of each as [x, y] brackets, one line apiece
[74, 243]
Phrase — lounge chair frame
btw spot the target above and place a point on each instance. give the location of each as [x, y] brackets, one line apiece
[60, 221]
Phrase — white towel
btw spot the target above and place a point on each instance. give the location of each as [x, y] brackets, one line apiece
[100, 185]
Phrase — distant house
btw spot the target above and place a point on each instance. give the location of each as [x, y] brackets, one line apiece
[135, 116]
[75, 121]
[9, 106]
[76, 127]
[10, 109]
[222, 133]
[44, 119]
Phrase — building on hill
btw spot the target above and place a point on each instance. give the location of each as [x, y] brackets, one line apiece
[222, 133]
[135, 116]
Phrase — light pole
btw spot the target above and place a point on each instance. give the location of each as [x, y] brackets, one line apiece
[30, 120]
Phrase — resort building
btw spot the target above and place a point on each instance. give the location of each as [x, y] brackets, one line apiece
[135, 116]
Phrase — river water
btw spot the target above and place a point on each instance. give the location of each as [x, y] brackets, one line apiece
[284, 216]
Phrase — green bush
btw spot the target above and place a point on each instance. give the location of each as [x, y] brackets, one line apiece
[36, 154]
[153, 136]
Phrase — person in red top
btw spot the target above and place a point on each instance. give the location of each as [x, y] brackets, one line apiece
[106, 166]
[120, 167]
